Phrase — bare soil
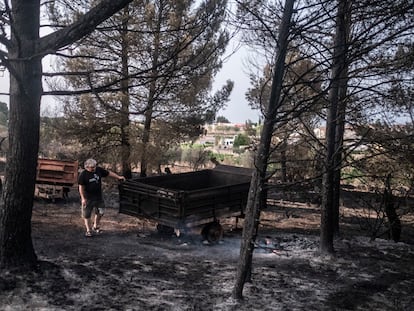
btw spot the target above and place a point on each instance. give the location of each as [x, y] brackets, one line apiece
[130, 266]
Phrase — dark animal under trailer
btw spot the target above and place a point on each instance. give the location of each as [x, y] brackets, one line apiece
[185, 200]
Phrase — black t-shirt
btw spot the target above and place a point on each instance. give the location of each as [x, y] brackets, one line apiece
[93, 182]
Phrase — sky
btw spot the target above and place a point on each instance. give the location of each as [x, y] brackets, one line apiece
[236, 111]
[4, 86]
[47, 104]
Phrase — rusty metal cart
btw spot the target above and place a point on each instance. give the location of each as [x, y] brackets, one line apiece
[54, 178]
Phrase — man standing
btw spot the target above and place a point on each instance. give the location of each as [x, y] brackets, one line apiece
[90, 190]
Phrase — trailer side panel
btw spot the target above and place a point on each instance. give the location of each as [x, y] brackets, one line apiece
[187, 199]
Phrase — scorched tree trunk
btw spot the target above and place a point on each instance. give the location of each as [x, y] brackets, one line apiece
[16, 248]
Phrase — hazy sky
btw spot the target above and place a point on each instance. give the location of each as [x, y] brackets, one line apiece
[4, 86]
[237, 110]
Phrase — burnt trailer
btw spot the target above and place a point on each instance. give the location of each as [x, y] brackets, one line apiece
[185, 200]
[54, 178]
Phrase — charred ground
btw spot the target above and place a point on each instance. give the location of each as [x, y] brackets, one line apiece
[132, 267]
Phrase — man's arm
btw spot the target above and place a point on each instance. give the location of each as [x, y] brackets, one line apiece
[82, 194]
[115, 175]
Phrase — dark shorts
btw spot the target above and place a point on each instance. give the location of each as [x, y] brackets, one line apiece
[91, 205]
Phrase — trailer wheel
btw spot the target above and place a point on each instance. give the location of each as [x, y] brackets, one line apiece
[212, 232]
[165, 230]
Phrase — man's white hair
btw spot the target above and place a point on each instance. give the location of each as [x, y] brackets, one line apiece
[90, 163]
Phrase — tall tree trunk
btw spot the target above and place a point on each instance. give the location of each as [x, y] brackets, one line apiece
[151, 97]
[283, 160]
[146, 138]
[125, 144]
[339, 147]
[25, 52]
[16, 247]
[257, 185]
[330, 206]
[341, 114]
[390, 211]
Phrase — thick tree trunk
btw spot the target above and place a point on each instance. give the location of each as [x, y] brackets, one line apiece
[330, 200]
[257, 185]
[16, 248]
[25, 52]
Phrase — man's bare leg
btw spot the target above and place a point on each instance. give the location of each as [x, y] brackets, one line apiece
[97, 222]
[88, 226]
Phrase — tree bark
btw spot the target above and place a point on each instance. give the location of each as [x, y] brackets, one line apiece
[339, 147]
[16, 248]
[330, 206]
[341, 114]
[25, 52]
[151, 98]
[79, 29]
[257, 185]
[125, 99]
[283, 160]
[390, 211]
